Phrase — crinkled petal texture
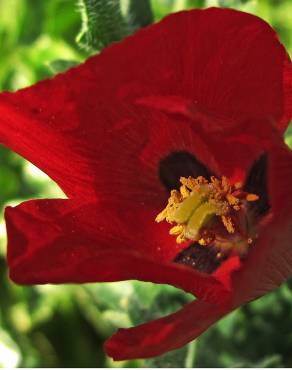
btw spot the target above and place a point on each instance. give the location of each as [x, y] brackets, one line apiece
[213, 83]
[110, 240]
[57, 241]
[218, 63]
[268, 264]
[61, 241]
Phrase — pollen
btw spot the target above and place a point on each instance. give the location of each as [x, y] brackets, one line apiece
[227, 222]
[209, 212]
[252, 197]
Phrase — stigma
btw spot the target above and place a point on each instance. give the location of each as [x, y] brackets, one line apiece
[212, 213]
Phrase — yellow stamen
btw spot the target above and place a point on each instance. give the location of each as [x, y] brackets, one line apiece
[184, 191]
[176, 230]
[252, 197]
[232, 200]
[227, 222]
[200, 206]
[202, 241]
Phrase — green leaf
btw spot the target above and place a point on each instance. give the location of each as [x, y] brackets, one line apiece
[288, 135]
[140, 13]
[61, 65]
[102, 24]
[10, 353]
[9, 183]
[173, 359]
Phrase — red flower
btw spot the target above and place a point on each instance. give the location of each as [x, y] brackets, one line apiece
[204, 92]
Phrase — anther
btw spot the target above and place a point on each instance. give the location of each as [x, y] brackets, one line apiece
[209, 212]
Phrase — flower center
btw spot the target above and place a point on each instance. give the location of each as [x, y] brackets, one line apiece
[211, 213]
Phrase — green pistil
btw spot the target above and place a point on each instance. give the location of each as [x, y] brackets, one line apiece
[187, 208]
[195, 212]
[200, 217]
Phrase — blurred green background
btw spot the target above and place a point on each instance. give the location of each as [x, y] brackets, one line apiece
[65, 326]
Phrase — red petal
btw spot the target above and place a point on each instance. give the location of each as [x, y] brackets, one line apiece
[228, 64]
[269, 262]
[287, 96]
[166, 334]
[61, 241]
[236, 150]
[268, 265]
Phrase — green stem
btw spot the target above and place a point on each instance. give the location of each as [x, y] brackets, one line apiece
[191, 354]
